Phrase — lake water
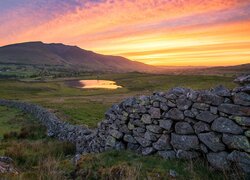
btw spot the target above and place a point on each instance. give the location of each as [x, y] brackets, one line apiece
[94, 84]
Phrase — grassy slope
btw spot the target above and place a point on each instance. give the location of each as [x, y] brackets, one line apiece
[31, 150]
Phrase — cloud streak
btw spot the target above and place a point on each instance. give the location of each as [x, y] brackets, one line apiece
[149, 31]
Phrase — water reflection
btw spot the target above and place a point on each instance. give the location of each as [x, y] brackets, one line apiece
[97, 84]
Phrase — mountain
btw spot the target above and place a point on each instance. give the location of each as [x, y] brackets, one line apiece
[39, 53]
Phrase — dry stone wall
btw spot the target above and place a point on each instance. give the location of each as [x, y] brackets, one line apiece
[181, 123]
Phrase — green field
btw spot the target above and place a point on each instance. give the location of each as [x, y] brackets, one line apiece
[25, 140]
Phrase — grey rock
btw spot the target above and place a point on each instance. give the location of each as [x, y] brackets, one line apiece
[173, 173]
[234, 109]
[132, 146]
[242, 80]
[116, 134]
[154, 128]
[131, 126]
[129, 138]
[183, 128]
[192, 95]
[242, 98]
[240, 157]
[189, 113]
[210, 98]
[146, 118]
[206, 116]
[164, 107]
[238, 142]
[155, 113]
[201, 106]
[171, 104]
[167, 154]
[163, 143]
[156, 104]
[241, 120]
[218, 160]
[212, 141]
[184, 142]
[225, 125]
[247, 133]
[111, 141]
[200, 127]
[221, 91]
[183, 103]
[203, 148]
[165, 124]
[143, 142]
[190, 121]
[175, 114]
[148, 151]
[151, 136]
[181, 154]
[213, 110]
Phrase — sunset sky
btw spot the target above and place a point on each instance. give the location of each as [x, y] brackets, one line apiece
[157, 32]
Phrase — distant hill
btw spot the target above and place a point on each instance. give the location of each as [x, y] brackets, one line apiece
[39, 53]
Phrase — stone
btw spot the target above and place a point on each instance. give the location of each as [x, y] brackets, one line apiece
[213, 110]
[234, 109]
[190, 121]
[154, 128]
[129, 138]
[148, 151]
[166, 124]
[184, 142]
[155, 113]
[183, 103]
[242, 98]
[245, 89]
[163, 143]
[178, 91]
[146, 118]
[151, 136]
[132, 146]
[218, 160]
[143, 142]
[238, 142]
[170, 154]
[241, 120]
[200, 127]
[225, 125]
[210, 98]
[203, 148]
[175, 114]
[189, 113]
[201, 106]
[181, 154]
[183, 128]
[247, 133]
[164, 106]
[206, 116]
[171, 104]
[240, 157]
[111, 141]
[242, 80]
[131, 126]
[173, 173]
[212, 141]
[221, 91]
[156, 104]
[192, 95]
[116, 134]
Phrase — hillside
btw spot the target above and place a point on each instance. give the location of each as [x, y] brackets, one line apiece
[39, 53]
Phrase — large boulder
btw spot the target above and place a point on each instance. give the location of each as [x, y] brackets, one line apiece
[184, 142]
[212, 141]
[206, 116]
[175, 114]
[218, 160]
[225, 125]
[234, 109]
[183, 128]
[238, 142]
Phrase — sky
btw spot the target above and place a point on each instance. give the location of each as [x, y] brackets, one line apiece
[156, 32]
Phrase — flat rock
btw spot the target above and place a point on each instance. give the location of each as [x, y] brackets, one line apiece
[200, 127]
[212, 141]
[206, 116]
[241, 120]
[146, 118]
[221, 91]
[225, 125]
[201, 106]
[210, 98]
[234, 109]
[143, 142]
[183, 103]
[163, 143]
[154, 128]
[175, 114]
[167, 154]
[166, 124]
[242, 98]
[184, 142]
[155, 113]
[116, 134]
[238, 142]
[218, 160]
[183, 128]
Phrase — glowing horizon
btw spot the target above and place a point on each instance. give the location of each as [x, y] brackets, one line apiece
[156, 32]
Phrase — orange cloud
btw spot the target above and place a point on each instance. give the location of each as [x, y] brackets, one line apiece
[159, 32]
